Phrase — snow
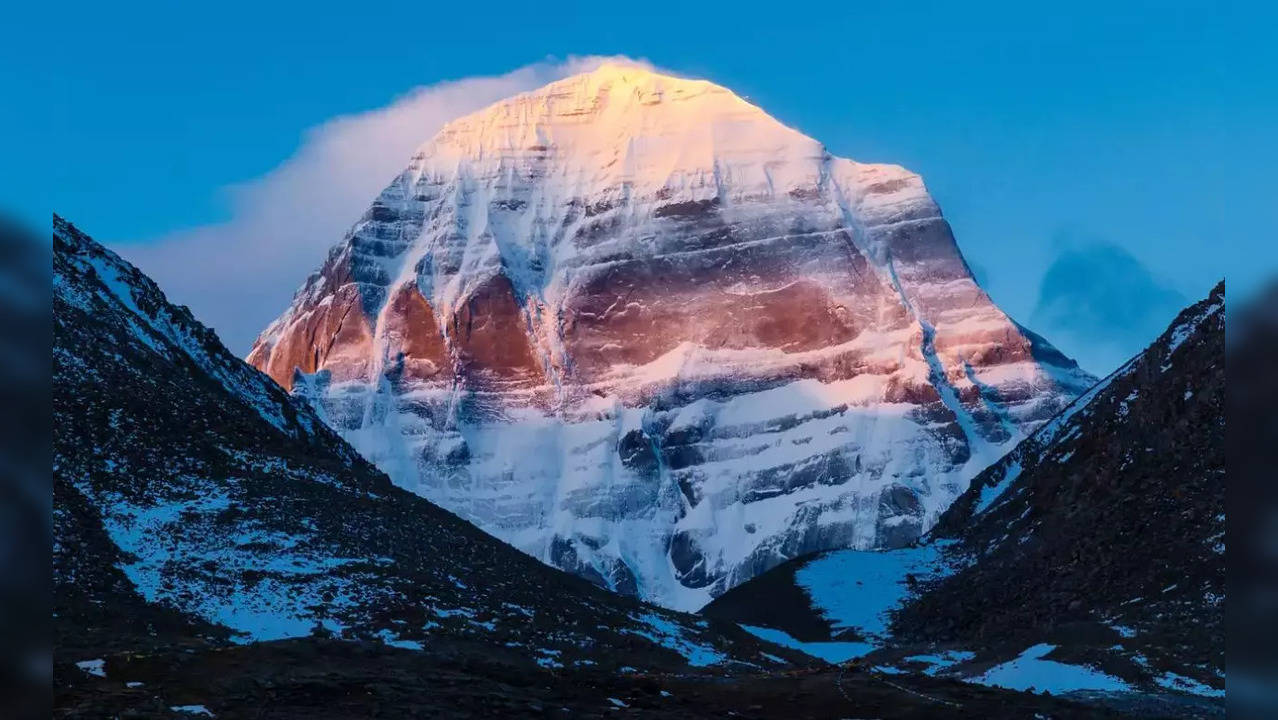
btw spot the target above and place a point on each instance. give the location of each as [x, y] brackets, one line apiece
[1030, 671]
[1124, 631]
[990, 493]
[938, 663]
[856, 589]
[388, 638]
[97, 668]
[166, 333]
[832, 652]
[549, 658]
[503, 190]
[1182, 331]
[1180, 683]
[648, 130]
[617, 703]
[273, 608]
[668, 634]
[544, 475]
[192, 710]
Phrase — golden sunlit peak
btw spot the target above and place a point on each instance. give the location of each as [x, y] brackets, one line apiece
[639, 75]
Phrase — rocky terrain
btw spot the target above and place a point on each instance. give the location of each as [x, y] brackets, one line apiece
[218, 552]
[642, 331]
[197, 502]
[1090, 559]
[326, 679]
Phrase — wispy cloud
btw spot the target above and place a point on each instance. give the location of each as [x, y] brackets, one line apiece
[239, 275]
[1101, 305]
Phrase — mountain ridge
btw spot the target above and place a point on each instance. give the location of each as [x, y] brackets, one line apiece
[218, 551]
[1093, 551]
[644, 332]
[233, 512]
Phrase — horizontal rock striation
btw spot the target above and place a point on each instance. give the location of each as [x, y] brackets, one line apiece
[639, 329]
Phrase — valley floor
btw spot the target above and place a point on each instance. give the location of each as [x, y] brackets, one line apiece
[319, 679]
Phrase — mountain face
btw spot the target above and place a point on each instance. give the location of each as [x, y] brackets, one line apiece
[642, 331]
[196, 503]
[1098, 543]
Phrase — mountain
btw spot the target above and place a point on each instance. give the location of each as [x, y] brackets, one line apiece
[195, 498]
[219, 552]
[1117, 511]
[639, 329]
[1094, 550]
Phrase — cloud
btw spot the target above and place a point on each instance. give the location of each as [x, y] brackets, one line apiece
[1101, 305]
[239, 275]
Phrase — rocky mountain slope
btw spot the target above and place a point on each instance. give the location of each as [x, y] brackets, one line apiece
[1095, 548]
[642, 331]
[218, 552]
[1114, 512]
[197, 502]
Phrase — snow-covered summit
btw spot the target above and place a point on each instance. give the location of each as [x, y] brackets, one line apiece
[637, 327]
[630, 127]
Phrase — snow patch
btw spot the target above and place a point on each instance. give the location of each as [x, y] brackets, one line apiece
[668, 634]
[1180, 683]
[856, 589]
[96, 668]
[831, 652]
[1031, 672]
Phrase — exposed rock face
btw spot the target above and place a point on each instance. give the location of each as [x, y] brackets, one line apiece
[634, 316]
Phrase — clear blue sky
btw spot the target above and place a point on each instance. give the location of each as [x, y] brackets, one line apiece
[1137, 137]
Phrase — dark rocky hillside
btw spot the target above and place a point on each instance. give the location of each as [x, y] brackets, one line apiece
[1114, 512]
[219, 552]
[1097, 543]
[195, 502]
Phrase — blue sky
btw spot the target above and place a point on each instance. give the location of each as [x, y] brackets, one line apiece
[1125, 135]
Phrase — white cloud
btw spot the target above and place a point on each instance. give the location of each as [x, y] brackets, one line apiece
[239, 275]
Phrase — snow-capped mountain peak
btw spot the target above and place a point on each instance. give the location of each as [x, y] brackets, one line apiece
[638, 328]
[630, 127]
